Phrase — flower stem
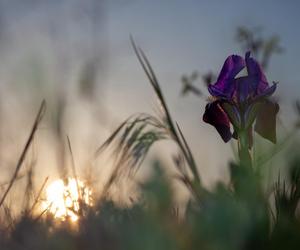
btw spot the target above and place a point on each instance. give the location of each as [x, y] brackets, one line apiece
[244, 152]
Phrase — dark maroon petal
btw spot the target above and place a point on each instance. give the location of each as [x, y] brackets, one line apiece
[216, 116]
[224, 87]
[255, 71]
[266, 120]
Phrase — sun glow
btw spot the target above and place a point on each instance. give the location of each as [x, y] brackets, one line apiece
[65, 199]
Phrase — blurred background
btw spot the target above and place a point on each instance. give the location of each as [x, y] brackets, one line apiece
[77, 56]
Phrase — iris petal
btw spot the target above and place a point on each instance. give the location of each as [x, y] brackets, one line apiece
[216, 116]
[259, 80]
[224, 86]
[266, 120]
[240, 101]
[267, 92]
[244, 87]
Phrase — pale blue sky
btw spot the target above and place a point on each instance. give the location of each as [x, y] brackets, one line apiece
[187, 35]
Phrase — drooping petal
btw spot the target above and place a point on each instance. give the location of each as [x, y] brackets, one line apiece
[259, 80]
[216, 116]
[224, 86]
[266, 120]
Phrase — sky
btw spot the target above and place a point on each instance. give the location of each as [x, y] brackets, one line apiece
[46, 43]
[182, 36]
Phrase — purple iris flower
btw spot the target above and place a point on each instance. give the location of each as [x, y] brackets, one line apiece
[242, 100]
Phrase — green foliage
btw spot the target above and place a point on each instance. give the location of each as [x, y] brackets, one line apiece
[235, 216]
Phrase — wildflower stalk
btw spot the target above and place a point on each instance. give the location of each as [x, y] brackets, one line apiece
[241, 101]
[244, 149]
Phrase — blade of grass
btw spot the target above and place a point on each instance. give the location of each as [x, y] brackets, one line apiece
[172, 128]
[37, 121]
[74, 168]
[36, 200]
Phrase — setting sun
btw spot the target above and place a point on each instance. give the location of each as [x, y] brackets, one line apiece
[63, 199]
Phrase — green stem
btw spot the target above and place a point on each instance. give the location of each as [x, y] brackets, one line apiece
[244, 152]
